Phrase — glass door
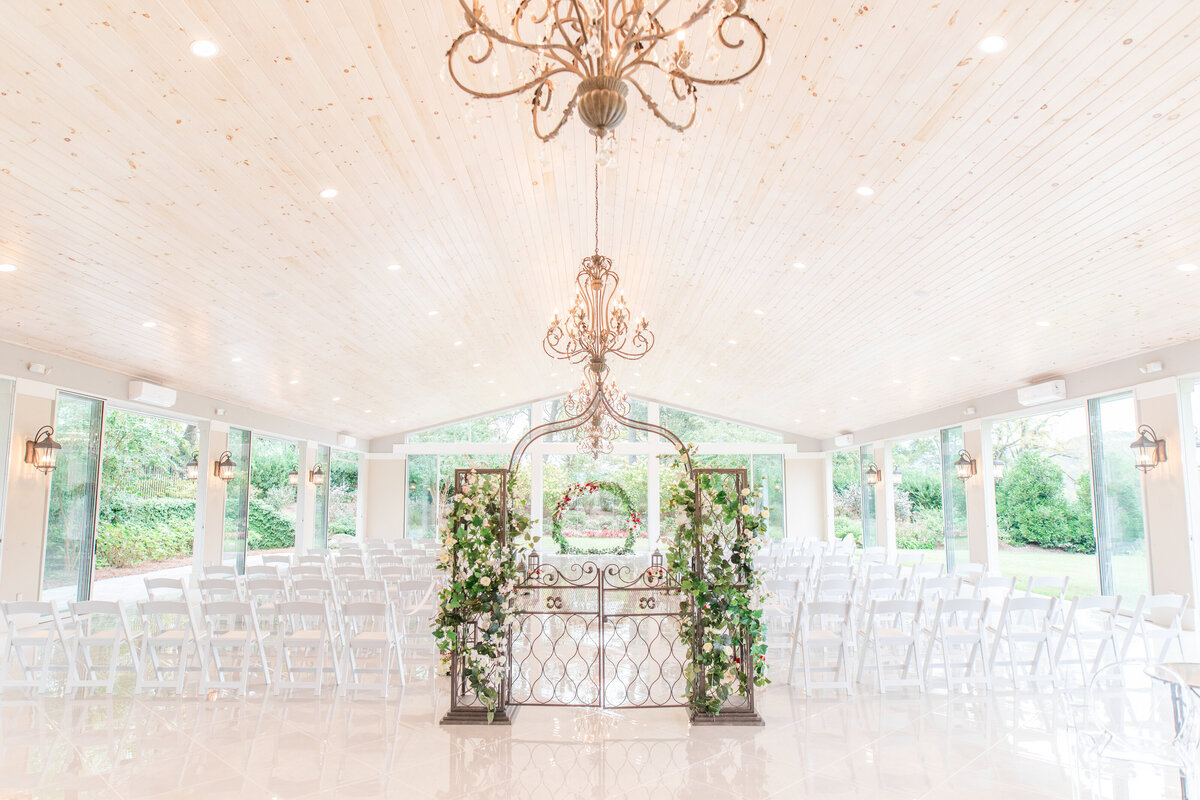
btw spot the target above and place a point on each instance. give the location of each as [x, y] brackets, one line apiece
[954, 500]
[6, 407]
[74, 490]
[237, 501]
[1117, 497]
[870, 528]
[321, 502]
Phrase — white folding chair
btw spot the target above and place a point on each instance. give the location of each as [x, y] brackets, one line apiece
[101, 628]
[280, 560]
[305, 637]
[169, 637]
[970, 573]
[891, 625]
[231, 628]
[262, 571]
[214, 590]
[370, 632]
[219, 571]
[1055, 587]
[1088, 620]
[31, 630]
[920, 572]
[308, 572]
[780, 607]
[1024, 623]
[1158, 621]
[266, 594]
[825, 626]
[958, 625]
[834, 590]
[166, 588]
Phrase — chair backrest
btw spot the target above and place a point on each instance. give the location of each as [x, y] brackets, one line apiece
[995, 588]
[902, 614]
[20, 615]
[382, 561]
[217, 589]
[409, 593]
[349, 571]
[357, 589]
[229, 615]
[834, 572]
[884, 589]
[826, 615]
[219, 571]
[394, 572]
[277, 558]
[882, 570]
[1050, 586]
[308, 571]
[922, 571]
[970, 572]
[264, 590]
[834, 589]
[312, 589]
[262, 570]
[160, 616]
[873, 555]
[933, 589]
[166, 588]
[963, 612]
[1165, 610]
[311, 560]
[834, 562]
[364, 616]
[1025, 614]
[305, 615]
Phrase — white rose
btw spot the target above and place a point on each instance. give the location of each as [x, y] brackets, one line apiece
[485, 581]
[727, 650]
[766, 514]
[745, 509]
[458, 497]
[746, 492]
[708, 647]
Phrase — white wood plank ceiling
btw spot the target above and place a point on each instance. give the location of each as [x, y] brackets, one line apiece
[1055, 182]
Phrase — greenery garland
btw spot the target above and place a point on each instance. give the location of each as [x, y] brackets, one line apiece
[722, 589]
[480, 560]
[633, 519]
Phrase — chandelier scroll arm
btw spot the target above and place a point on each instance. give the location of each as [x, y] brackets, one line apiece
[541, 431]
[729, 45]
[545, 106]
[664, 33]
[649, 427]
[653, 106]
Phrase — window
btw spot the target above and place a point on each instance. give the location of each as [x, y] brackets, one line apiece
[1044, 499]
[917, 465]
[147, 517]
[597, 520]
[954, 500]
[272, 518]
[695, 428]
[343, 493]
[847, 495]
[504, 426]
[237, 501]
[1117, 494]
[74, 489]
[431, 483]
[870, 529]
[6, 410]
[321, 500]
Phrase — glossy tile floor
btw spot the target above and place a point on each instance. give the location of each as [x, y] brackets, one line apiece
[897, 746]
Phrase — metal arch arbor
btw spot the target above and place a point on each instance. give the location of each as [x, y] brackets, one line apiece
[632, 612]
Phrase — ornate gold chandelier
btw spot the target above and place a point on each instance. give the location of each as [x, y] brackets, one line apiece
[597, 435]
[589, 52]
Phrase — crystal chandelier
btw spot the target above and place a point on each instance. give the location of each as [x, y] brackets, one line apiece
[590, 52]
[597, 435]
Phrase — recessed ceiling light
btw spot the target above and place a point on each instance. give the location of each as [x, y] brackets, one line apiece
[1042, 323]
[993, 44]
[698, 380]
[956, 358]
[1181, 267]
[504, 394]
[637, 374]
[433, 313]
[391, 422]
[796, 420]
[368, 411]
[712, 363]
[458, 343]
[236, 359]
[865, 191]
[204, 48]
[824, 410]
[476, 364]
[393, 267]
[799, 265]
[8, 267]
[493, 380]
[336, 399]
[328, 194]
[293, 382]
[733, 341]
[758, 311]
[897, 381]
[150, 324]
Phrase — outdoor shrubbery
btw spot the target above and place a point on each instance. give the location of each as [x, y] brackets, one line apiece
[1033, 509]
[269, 529]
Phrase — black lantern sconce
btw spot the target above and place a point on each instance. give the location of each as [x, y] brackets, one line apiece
[42, 450]
[874, 475]
[316, 475]
[1148, 451]
[193, 467]
[965, 466]
[225, 466]
[293, 478]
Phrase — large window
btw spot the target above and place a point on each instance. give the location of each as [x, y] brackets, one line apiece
[237, 501]
[147, 517]
[1117, 495]
[762, 471]
[431, 483]
[321, 500]
[1044, 498]
[503, 426]
[917, 478]
[6, 407]
[596, 520]
[847, 495]
[343, 493]
[870, 521]
[272, 518]
[954, 500]
[74, 489]
[691, 427]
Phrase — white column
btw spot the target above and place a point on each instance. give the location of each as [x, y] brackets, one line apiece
[214, 524]
[977, 486]
[204, 458]
[360, 504]
[829, 527]
[305, 499]
[990, 550]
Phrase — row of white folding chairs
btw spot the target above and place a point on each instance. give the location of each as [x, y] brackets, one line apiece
[1087, 634]
[92, 637]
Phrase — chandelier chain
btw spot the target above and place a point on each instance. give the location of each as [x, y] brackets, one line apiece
[596, 194]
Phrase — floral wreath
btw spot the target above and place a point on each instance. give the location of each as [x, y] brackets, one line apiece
[633, 520]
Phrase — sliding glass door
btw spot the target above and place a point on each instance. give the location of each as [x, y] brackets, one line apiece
[237, 501]
[74, 489]
[6, 408]
[321, 502]
[870, 527]
[1117, 497]
[954, 500]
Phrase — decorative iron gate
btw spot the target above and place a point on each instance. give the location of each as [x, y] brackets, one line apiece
[599, 635]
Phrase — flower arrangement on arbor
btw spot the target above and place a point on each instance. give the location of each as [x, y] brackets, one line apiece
[633, 520]
[724, 632]
[482, 545]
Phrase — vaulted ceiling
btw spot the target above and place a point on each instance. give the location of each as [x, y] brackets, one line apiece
[1030, 208]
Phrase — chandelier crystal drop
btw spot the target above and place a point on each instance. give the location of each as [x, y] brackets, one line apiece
[586, 54]
[597, 435]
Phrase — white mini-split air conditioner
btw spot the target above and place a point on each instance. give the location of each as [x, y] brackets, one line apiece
[845, 440]
[346, 440]
[151, 394]
[1040, 393]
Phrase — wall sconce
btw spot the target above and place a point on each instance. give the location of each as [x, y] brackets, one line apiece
[997, 468]
[42, 450]
[193, 467]
[293, 478]
[965, 466]
[897, 476]
[874, 475]
[316, 475]
[225, 466]
[1149, 450]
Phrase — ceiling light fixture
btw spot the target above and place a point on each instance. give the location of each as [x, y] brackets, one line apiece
[956, 358]
[1187, 267]
[733, 341]
[588, 54]
[993, 44]
[433, 313]
[13, 267]
[759, 311]
[293, 382]
[393, 267]
[865, 191]
[799, 265]
[149, 324]
[236, 359]
[329, 194]
[204, 48]
[1041, 323]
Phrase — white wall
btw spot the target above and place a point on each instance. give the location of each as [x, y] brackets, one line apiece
[805, 496]
[386, 492]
